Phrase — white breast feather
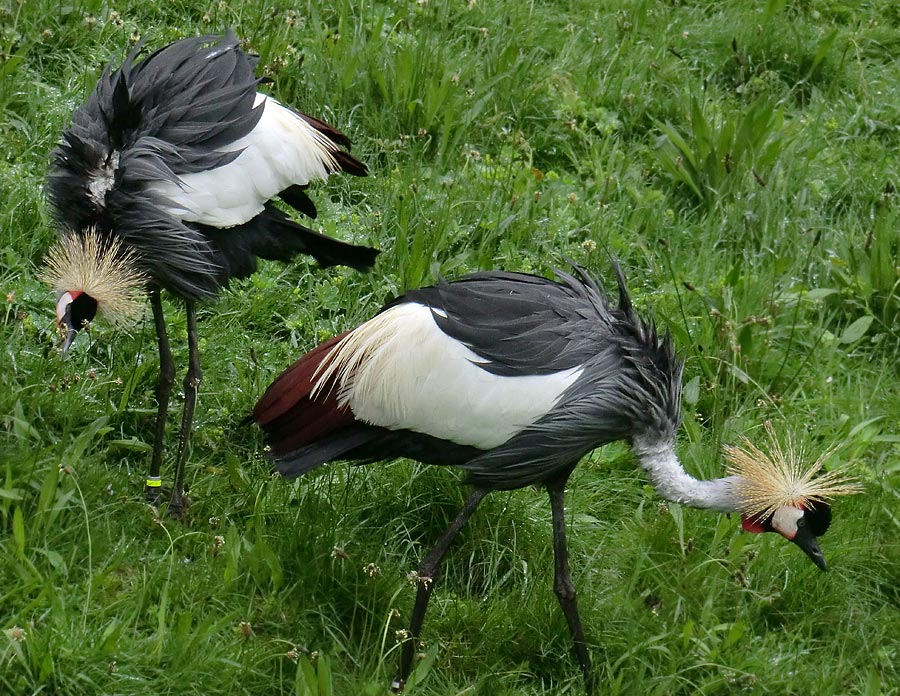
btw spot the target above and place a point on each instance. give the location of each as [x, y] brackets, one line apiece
[400, 371]
[280, 151]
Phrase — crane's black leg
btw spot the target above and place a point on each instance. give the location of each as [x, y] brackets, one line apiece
[191, 384]
[163, 391]
[562, 583]
[428, 570]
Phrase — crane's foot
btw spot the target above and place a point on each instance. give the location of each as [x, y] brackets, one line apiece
[397, 685]
[178, 505]
[590, 683]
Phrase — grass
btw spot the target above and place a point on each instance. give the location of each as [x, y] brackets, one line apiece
[741, 162]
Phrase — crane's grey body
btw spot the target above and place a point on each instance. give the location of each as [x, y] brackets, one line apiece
[147, 125]
[171, 167]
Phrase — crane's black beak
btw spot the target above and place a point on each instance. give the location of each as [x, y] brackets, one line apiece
[807, 541]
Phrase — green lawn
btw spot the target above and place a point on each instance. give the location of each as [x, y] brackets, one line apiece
[740, 159]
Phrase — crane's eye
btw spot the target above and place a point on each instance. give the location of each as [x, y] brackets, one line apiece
[801, 522]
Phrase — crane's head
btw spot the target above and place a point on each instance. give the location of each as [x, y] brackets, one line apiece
[91, 275]
[800, 525]
[778, 493]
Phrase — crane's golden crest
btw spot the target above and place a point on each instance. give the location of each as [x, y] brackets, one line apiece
[101, 268]
[779, 477]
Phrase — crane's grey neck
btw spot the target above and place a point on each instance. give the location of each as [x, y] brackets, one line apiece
[672, 482]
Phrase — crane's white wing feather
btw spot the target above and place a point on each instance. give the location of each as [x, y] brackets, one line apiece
[401, 372]
[282, 150]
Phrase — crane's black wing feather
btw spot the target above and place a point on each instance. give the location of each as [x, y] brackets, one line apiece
[274, 236]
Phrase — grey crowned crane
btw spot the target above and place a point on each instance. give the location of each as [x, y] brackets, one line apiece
[514, 378]
[164, 181]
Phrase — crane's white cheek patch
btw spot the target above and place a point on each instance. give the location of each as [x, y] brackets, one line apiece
[64, 301]
[785, 519]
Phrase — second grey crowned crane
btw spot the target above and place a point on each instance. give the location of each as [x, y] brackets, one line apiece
[164, 181]
[515, 378]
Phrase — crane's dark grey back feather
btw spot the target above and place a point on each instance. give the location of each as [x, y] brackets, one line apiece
[519, 323]
[196, 94]
[169, 111]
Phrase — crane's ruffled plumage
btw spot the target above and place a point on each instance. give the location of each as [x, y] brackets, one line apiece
[169, 168]
[780, 477]
[177, 156]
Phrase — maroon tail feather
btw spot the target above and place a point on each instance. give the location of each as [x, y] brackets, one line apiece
[326, 129]
[290, 416]
[347, 162]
